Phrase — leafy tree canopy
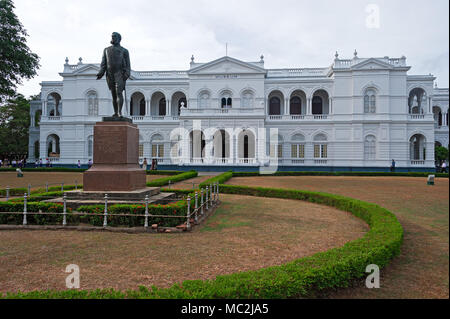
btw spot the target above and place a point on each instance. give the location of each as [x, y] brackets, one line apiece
[16, 59]
[440, 153]
[14, 124]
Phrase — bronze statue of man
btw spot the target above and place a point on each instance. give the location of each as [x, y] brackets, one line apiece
[116, 64]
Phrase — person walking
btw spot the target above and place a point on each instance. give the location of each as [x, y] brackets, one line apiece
[393, 166]
[79, 164]
[89, 163]
[145, 164]
[444, 167]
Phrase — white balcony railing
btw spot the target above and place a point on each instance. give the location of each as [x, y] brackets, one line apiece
[416, 116]
[137, 117]
[297, 161]
[320, 117]
[246, 161]
[320, 161]
[417, 162]
[54, 118]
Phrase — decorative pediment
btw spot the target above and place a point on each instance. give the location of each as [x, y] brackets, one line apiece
[226, 65]
[87, 69]
[372, 64]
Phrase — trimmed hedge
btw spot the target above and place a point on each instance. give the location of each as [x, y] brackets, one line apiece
[176, 178]
[222, 178]
[156, 172]
[303, 277]
[40, 191]
[282, 173]
[172, 209]
[17, 219]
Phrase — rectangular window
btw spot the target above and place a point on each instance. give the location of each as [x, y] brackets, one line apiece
[157, 150]
[301, 151]
[141, 150]
[320, 151]
[294, 153]
[276, 149]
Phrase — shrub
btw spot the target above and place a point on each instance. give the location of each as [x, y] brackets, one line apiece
[176, 178]
[222, 178]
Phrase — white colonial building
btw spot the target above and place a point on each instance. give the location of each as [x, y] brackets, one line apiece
[356, 114]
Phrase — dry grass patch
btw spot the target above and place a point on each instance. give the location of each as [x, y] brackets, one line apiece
[422, 268]
[245, 233]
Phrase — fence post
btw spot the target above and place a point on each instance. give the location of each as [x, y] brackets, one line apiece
[193, 184]
[105, 219]
[169, 183]
[218, 191]
[7, 193]
[25, 209]
[64, 210]
[211, 195]
[206, 198]
[46, 187]
[215, 192]
[196, 208]
[188, 222]
[76, 184]
[29, 189]
[146, 212]
[201, 201]
[62, 187]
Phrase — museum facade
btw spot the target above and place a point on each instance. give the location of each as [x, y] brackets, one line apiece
[356, 114]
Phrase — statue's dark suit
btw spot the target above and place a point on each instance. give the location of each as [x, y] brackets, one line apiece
[116, 65]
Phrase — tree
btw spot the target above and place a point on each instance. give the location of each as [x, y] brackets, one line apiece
[16, 59]
[14, 124]
[440, 153]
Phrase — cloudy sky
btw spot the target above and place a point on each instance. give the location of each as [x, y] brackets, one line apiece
[162, 35]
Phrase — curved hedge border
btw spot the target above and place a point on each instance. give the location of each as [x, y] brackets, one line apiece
[222, 178]
[303, 277]
[176, 178]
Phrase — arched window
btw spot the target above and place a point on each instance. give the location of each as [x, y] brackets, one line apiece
[181, 103]
[417, 101]
[54, 104]
[223, 102]
[370, 101]
[370, 147]
[162, 107]
[317, 105]
[247, 99]
[296, 106]
[246, 146]
[142, 107]
[417, 149]
[204, 100]
[274, 106]
[92, 103]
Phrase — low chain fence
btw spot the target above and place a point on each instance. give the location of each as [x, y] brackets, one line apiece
[186, 213]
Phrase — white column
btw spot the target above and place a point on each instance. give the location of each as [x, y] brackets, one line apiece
[147, 107]
[308, 106]
[286, 106]
[169, 113]
[330, 109]
[167, 107]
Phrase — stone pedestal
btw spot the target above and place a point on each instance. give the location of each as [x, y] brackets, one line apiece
[116, 156]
